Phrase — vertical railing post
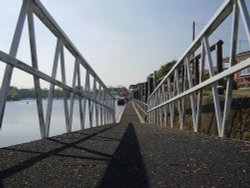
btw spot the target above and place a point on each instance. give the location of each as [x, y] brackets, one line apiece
[65, 93]
[72, 96]
[214, 86]
[33, 51]
[13, 52]
[171, 105]
[80, 99]
[192, 97]
[233, 47]
[52, 87]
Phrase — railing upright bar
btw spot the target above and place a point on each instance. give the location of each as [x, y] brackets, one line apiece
[101, 110]
[52, 87]
[95, 92]
[214, 86]
[162, 100]
[192, 97]
[84, 100]
[99, 107]
[105, 111]
[13, 52]
[200, 92]
[72, 96]
[159, 110]
[65, 92]
[233, 48]
[181, 118]
[87, 93]
[171, 105]
[184, 88]
[79, 87]
[93, 104]
[33, 51]
[165, 107]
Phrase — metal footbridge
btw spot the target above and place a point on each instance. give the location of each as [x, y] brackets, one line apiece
[144, 149]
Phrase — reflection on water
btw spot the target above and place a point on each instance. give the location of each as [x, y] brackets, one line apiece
[20, 122]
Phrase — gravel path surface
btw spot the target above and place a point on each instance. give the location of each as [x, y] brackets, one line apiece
[129, 154]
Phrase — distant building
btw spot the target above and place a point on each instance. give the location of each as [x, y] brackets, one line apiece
[139, 91]
[132, 88]
[241, 78]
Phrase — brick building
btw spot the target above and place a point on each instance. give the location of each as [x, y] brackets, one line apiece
[242, 78]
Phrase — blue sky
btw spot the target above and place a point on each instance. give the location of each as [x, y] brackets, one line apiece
[123, 40]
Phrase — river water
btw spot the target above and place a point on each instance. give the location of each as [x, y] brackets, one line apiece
[21, 125]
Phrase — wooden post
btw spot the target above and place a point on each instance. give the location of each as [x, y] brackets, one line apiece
[155, 81]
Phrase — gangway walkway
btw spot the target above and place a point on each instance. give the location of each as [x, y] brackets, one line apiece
[127, 154]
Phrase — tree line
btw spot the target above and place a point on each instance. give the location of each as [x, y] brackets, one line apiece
[15, 94]
[163, 70]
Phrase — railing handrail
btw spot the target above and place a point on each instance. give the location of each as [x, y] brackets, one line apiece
[161, 103]
[30, 70]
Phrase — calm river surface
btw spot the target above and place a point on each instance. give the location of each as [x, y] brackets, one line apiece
[21, 125]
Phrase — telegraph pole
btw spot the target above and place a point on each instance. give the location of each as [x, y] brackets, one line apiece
[193, 30]
[195, 61]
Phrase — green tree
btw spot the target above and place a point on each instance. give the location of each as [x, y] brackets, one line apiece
[13, 94]
[165, 69]
[58, 93]
[27, 93]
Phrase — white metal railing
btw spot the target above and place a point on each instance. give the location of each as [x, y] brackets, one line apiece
[141, 106]
[178, 83]
[94, 99]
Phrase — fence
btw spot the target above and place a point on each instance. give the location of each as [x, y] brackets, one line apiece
[180, 83]
[93, 97]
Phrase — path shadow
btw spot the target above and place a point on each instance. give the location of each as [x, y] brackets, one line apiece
[16, 168]
[126, 168]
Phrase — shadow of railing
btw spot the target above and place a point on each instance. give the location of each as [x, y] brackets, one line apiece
[16, 168]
